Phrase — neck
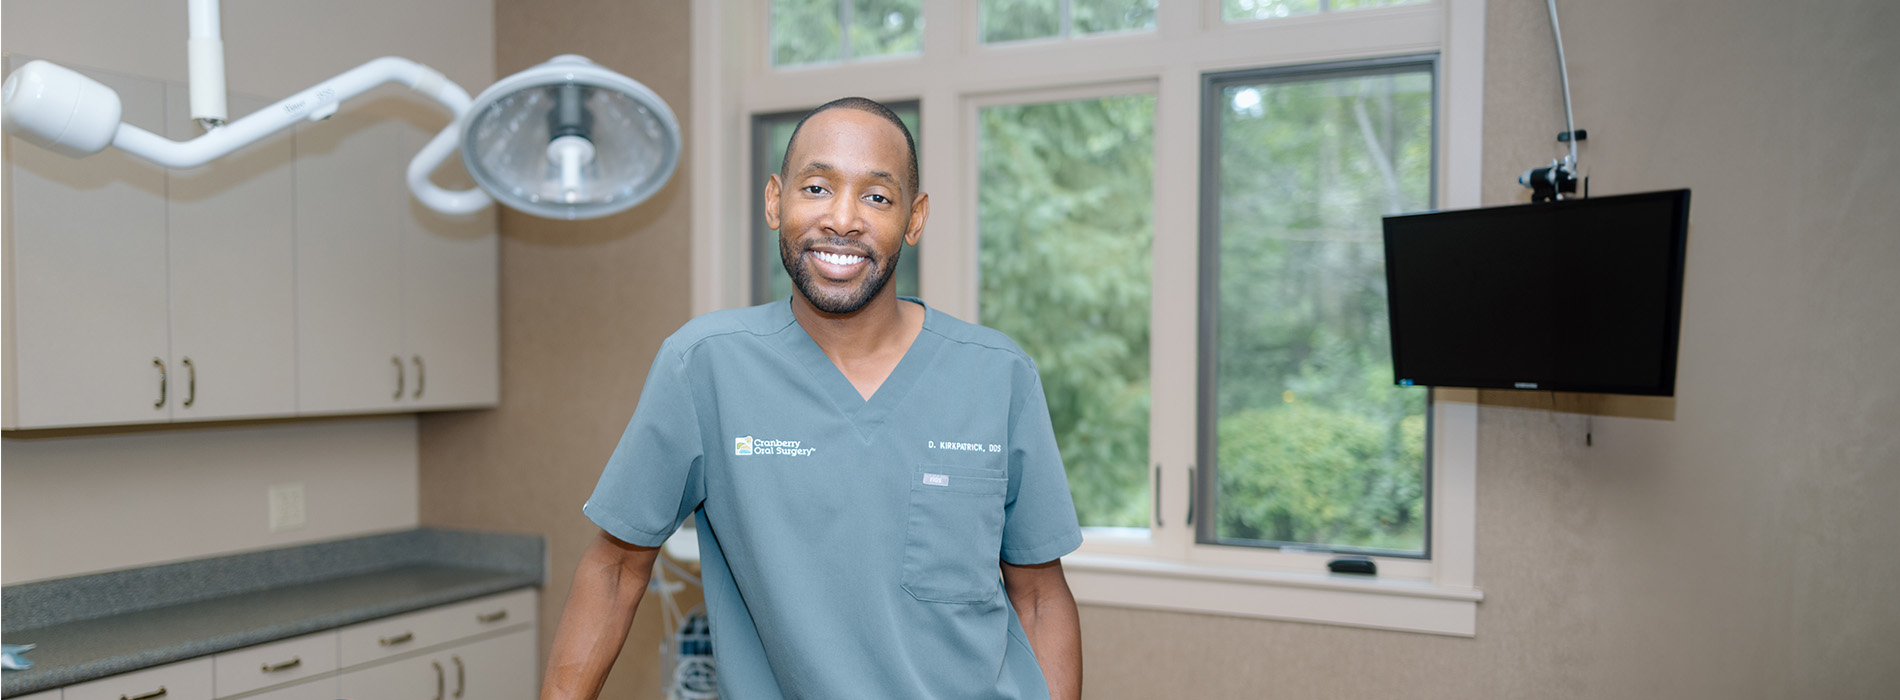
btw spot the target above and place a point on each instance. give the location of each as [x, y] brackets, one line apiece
[880, 324]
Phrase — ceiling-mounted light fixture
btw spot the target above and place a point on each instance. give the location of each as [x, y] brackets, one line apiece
[567, 139]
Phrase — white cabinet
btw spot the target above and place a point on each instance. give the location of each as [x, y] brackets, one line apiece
[185, 680]
[294, 277]
[90, 330]
[450, 296]
[483, 649]
[233, 338]
[496, 668]
[396, 304]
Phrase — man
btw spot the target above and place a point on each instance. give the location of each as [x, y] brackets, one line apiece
[859, 465]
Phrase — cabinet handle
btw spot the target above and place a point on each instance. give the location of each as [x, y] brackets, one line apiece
[148, 696]
[1194, 489]
[419, 376]
[398, 639]
[160, 364]
[496, 616]
[294, 662]
[191, 383]
[438, 679]
[398, 362]
[461, 681]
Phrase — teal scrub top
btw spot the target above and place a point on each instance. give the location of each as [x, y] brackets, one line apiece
[848, 547]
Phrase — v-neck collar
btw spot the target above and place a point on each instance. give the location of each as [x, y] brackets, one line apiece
[865, 414]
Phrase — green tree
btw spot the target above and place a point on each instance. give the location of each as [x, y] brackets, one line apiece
[1065, 217]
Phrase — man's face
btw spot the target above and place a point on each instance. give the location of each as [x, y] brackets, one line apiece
[842, 209]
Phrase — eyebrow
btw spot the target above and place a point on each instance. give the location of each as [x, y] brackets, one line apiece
[819, 165]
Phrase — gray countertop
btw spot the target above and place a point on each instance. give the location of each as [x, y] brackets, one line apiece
[215, 605]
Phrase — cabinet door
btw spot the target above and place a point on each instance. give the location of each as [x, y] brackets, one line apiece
[425, 677]
[233, 298]
[450, 297]
[349, 263]
[497, 668]
[89, 278]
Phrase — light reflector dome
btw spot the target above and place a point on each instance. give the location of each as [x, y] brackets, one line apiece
[568, 139]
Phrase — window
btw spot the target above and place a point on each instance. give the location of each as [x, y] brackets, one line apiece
[1307, 444]
[823, 31]
[771, 133]
[1248, 10]
[1072, 208]
[1064, 218]
[1019, 20]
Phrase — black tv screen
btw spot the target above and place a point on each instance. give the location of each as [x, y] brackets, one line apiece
[1577, 295]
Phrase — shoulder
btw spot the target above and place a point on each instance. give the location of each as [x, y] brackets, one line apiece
[727, 325]
[979, 342]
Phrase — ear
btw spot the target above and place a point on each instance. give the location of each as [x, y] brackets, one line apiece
[919, 213]
[773, 187]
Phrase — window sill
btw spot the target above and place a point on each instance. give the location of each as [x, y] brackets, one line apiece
[1338, 599]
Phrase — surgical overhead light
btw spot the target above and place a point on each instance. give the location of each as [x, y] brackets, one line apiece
[567, 139]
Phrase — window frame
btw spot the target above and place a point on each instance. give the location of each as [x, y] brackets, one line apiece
[1205, 483]
[1167, 570]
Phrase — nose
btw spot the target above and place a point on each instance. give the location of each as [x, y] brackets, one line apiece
[842, 215]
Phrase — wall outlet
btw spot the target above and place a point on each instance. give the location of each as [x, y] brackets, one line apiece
[286, 507]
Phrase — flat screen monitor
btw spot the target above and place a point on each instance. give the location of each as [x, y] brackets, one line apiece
[1579, 295]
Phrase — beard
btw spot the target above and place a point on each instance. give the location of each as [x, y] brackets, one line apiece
[849, 300]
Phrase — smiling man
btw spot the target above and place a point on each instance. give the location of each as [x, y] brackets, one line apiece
[880, 504]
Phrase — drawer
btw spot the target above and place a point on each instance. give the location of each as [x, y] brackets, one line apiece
[185, 680]
[494, 612]
[392, 636]
[324, 688]
[265, 665]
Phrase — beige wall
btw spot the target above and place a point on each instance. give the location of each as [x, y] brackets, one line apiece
[113, 498]
[109, 500]
[1733, 542]
[584, 306]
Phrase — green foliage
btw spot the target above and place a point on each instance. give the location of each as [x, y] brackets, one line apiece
[1065, 214]
[1016, 20]
[886, 27]
[1097, 16]
[1312, 445]
[1298, 472]
[805, 31]
[810, 31]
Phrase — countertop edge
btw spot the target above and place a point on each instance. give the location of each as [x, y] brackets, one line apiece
[16, 683]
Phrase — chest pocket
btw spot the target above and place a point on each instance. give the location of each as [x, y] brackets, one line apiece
[954, 535]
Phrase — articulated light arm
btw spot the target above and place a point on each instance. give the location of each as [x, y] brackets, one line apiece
[54, 83]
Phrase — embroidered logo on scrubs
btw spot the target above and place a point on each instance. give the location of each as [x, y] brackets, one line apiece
[936, 480]
[749, 445]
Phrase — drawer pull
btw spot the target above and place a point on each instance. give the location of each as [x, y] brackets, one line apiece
[294, 662]
[148, 696]
[388, 641]
[496, 616]
[461, 680]
[438, 679]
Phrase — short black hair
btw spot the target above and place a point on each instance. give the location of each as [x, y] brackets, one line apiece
[863, 105]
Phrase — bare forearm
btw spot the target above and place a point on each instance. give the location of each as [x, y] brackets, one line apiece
[608, 584]
[1043, 602]
[1055, 632]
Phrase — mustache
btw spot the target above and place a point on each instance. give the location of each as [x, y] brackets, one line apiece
[836, 243]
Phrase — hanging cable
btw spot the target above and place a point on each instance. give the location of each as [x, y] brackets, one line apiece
[1563, 72]
[1553, 181]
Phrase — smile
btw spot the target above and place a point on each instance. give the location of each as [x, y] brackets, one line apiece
[839, 259]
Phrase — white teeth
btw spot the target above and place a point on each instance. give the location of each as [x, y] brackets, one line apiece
[837, 258]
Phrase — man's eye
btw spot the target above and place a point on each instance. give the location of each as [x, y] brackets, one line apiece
[880, 199]
[813, 189]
